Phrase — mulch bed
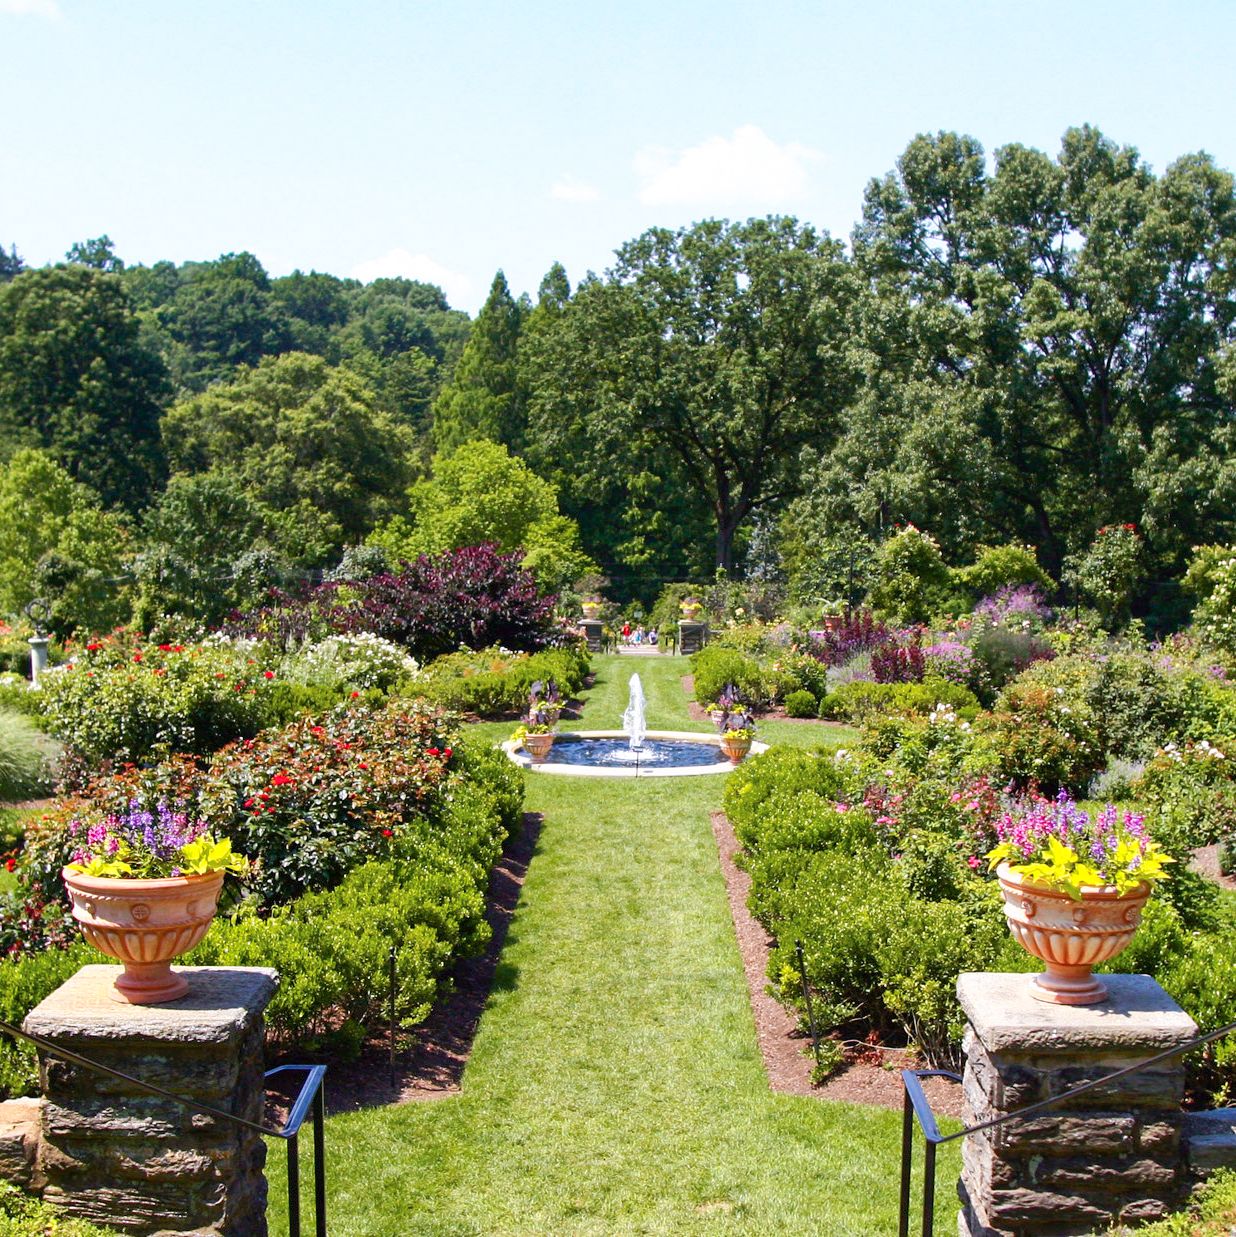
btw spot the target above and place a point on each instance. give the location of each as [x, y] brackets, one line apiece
[785, 1050]
[1206, 861]
[430, 1060]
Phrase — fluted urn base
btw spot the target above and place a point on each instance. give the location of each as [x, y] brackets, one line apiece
[146, 924]
[1070, 935]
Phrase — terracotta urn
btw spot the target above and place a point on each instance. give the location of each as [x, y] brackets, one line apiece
[591, 609]
[735, 748]
[145, 924]
[538, 745]
[689, 609]
[1070, 936]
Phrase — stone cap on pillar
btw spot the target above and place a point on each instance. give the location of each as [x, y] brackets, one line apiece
[220, 1005]
[1138, 1016]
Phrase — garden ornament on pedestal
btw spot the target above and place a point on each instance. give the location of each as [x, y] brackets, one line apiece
[144, 886]
[1074, 889]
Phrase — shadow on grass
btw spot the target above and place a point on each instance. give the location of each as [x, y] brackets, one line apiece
[430, 1060]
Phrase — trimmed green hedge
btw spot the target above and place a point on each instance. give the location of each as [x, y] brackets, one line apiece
[496, 683]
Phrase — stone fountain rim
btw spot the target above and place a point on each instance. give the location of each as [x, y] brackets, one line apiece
[515, 753]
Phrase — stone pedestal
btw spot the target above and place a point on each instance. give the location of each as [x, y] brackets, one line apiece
[692, 637]
[594, 634]
[110, 1153]
[1113, 1154]
[38, 658]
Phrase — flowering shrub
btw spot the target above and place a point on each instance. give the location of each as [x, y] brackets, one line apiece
[1059, 845]
[909, 576]
[1017, 606]
[311, 801]
[1109, 572]
[1189, 791]
[476, 596]
[120, 698]
[361, 662]
[1039, 739]
[1215, 580]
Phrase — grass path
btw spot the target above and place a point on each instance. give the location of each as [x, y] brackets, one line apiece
[615, 1085]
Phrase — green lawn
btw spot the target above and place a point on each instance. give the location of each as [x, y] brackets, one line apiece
[615, 1085]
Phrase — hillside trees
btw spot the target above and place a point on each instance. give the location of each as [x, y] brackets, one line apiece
[308, 444]
[721, 346]
[78, 379]
[1040, 349]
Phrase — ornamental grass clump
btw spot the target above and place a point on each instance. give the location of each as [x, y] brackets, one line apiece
[1060, 846]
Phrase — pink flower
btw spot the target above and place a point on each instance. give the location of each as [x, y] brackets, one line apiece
[841, 807]
[973, 861]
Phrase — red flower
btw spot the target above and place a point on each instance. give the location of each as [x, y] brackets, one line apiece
[386, 833]
[361, 765]
[165, 648]
[93, 647]
[10, 863]
[446, 754]
[355, 694]
[248, 803]
[281, 779]
[137, 657]
[268, 674]
[432, 751]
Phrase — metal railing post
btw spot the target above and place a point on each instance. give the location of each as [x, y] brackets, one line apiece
[294, 1186]
[319, 1162]
[907, 1156]
[929, 1188]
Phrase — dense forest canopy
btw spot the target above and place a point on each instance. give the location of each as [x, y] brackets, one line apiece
[1015, 350]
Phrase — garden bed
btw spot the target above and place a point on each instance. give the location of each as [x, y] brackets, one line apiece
[785, 1050]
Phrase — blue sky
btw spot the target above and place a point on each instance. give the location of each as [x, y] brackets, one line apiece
[445, 140]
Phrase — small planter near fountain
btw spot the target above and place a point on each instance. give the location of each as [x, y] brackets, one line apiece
[536, 734]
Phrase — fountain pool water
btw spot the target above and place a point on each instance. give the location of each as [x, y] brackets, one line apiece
[633, 751]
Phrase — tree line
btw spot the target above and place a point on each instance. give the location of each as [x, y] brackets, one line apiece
[1020, 350]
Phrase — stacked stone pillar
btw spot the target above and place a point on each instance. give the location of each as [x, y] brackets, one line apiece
[112, 1154]
[692, 636]
[1111, 1155]
[594, 634]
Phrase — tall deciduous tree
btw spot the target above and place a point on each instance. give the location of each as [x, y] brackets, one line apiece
[77, 379]
[479, 494]
[723, 345]
[55, 540]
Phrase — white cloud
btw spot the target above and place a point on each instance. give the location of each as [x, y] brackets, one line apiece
[32, 8]
[747, 168]
[568, 189]
[399, 262]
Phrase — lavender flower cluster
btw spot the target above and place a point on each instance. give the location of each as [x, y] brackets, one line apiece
[1028, 826]
[149, 841]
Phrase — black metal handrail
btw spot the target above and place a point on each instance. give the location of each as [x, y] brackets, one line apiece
[918, 1107]
[309, 1099]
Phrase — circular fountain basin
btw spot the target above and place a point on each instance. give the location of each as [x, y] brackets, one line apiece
[608, 753]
